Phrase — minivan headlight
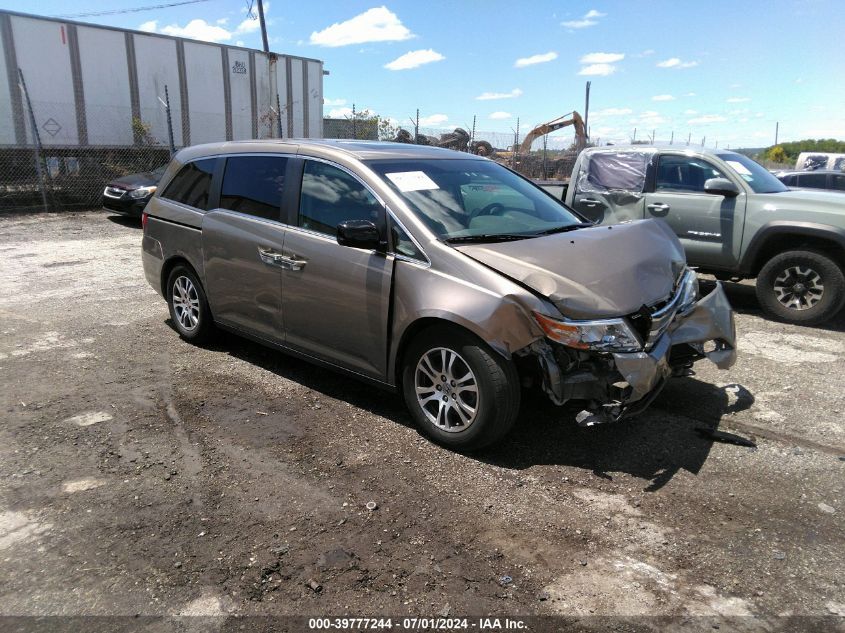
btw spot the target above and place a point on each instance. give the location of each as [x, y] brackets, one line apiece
[606, 335]
[142, 192]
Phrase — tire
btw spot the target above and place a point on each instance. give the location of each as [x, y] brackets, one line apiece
[801, 287]
[188, 305]
[495, 401]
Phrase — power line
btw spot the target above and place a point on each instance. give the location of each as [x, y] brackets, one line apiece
[134, 10]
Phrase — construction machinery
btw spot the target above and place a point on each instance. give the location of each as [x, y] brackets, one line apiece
[573, 118]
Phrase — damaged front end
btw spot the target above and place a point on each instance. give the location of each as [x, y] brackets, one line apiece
[620, 365]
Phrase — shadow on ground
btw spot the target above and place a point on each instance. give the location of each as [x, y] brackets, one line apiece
[654, 447]
[124, 220]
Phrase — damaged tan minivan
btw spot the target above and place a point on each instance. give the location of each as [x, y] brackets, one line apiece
[442, 275]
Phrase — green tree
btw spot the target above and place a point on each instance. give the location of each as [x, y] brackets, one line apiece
[777, 154]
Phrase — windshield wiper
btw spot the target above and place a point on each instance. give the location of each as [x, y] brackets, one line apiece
[563, 229]
[487, 237]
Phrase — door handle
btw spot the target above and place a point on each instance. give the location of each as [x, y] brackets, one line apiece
[270, 257]
[590, 202]
[658, 208]
[292, 263]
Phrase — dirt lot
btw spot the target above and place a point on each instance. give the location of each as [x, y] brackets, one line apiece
[142, 475]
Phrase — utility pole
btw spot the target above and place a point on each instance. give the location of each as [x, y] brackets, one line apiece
[777, 126]
[672, 138]
[653, 134]
[587, 113]
[472, 136]
[417, 126]
[703, 138]
[689, 138]
[263, 26]
[515, 143]
[634, 138]
[354, 126]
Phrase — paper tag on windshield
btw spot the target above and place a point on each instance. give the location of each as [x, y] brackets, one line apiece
[412, 181]
[739, 168]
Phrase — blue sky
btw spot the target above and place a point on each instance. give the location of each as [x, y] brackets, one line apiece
[722, 70]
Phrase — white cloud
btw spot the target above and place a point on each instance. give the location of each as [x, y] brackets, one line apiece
[334, 102]
[522, 62]
[647, 52]
[150, 26]
[675, 62]
[378, 24]
[414, 59]
[490, 96]
[601, 70]
[239, 43]
[690, 94]
[738, 100]
[340, 113]
[663, 98]
[501, 115]
[222, 21]
[248, 26]
[602, 58]
[198, 29]
[433, 120]
[589, 19]
[612, 112]
[690, 112]
[707, 118]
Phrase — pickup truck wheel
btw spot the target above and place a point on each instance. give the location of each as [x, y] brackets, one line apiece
[803, 287]
[461, 393]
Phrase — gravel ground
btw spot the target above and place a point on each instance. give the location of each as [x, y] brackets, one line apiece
[140, 475]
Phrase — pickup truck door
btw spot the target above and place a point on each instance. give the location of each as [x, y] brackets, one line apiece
[709, 226]
[607, 188]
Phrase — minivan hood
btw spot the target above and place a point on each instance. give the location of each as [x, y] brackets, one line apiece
[596, 272]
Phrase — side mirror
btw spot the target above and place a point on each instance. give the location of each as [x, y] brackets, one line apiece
[359, 234]
[721, 187]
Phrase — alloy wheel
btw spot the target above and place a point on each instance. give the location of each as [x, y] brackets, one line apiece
[799, 288]
[447, 390]
[186, 303]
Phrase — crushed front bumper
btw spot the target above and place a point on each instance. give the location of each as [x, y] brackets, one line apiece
[621, 385]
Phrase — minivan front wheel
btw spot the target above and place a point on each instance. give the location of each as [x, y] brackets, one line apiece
[188, 305]
[802, 287]
[460, 392]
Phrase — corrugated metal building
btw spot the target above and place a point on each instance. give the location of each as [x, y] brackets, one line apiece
[98, 86]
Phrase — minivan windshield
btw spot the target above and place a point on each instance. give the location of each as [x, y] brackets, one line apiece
[463, 200]
[757, 176]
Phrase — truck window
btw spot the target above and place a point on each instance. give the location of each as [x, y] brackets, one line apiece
[191, 185]
[816, 181]
[684, 174]
[838, 183]
[253, 185]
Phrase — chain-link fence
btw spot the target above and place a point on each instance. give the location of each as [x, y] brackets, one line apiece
[65, 160]
[550, 157]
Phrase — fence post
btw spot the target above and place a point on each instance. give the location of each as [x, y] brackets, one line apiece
[279, 113]
[36, 139]
[169, 122]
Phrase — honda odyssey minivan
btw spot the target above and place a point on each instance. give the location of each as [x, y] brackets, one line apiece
[441, 275]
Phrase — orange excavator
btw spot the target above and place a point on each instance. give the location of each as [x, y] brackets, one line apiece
[573, 118]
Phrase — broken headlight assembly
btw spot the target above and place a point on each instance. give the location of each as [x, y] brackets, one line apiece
[605, 335]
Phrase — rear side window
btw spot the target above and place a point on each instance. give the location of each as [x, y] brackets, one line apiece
[331, 196]
[839, 183]
[192, 184]
[818, 181]
[253, 185]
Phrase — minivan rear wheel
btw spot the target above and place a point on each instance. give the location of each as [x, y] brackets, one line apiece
[188, 305]
[802, 287]
[461, 393]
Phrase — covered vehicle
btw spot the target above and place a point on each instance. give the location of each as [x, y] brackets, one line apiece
[129, 195]
[448, 278]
